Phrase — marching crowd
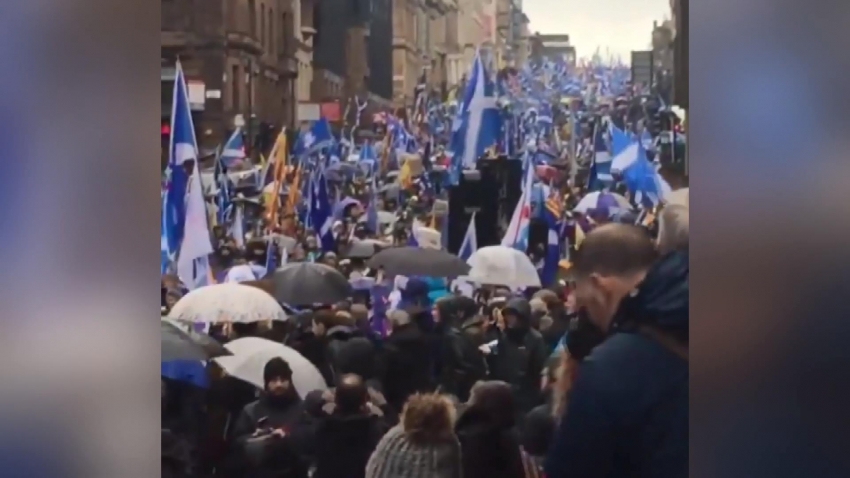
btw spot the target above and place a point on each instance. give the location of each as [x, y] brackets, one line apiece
[586, 378]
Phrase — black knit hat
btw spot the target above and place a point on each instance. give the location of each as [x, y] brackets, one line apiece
[276, 368]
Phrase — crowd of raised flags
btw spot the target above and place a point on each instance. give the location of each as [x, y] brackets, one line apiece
[509, 114]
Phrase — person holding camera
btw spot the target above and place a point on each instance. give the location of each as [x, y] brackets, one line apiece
[272, 433]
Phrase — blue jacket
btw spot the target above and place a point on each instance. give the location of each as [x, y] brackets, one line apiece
[627, 413]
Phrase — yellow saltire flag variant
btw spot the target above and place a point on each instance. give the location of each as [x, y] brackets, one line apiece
[278, 157]
[405, 176]
[294, 193]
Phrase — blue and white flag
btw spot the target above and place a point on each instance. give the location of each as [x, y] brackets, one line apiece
[182, 147]
[644, 182]
[193, 262]
[315, 139]
[321, 212]
[233, 150]
[470, 240]
[477, 125]
[164, 255]
[516, 236]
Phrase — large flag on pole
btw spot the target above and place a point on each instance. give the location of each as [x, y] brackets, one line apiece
[516, 235]
[182, 147]
[477, 125]
[193, 262]
[278, 157]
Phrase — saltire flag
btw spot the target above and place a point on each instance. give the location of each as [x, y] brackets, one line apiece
[600, 171]
[470, 240]
[234, 150]
[222, 183]
[193, 262]
[182, 147]
[271, 258]
[552, 216]
[477, 125]
[643, 181]
[516, 236]
[315, 139]
[321, 213]
[164, 256]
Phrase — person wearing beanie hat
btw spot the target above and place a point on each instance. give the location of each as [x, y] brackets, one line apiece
[272, 433]
[423, 445]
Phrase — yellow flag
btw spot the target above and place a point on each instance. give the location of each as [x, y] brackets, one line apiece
[278, 156]
[405, 176]
[579, 236]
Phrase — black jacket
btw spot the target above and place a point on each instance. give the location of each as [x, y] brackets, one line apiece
[347, 350]
[520, 357]
[273, 457]
[627, 413]
[344, 445]
[407, 365]
[463, 363]
[489, 448]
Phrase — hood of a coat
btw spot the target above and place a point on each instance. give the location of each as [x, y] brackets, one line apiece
[521, 308]
[662, 298]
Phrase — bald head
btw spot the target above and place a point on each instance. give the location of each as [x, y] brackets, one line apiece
[351, 394]
[615, 250]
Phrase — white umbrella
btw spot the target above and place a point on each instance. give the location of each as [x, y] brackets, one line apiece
[500, 265]
[230, 302]
[428, 238]
[250, 355]
[600, 199]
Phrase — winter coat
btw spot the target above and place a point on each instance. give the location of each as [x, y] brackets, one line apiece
[627, 414]
[345, 443]
[520, 357]
[488, 447]
[407, 365]
[463, 363]
[274, 457]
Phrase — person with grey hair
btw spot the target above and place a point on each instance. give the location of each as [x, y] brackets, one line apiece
[673, 229]
[408, 367]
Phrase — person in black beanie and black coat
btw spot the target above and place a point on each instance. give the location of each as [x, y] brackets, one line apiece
[272, 433]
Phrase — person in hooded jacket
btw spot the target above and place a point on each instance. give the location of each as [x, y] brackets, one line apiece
[520, 354]
[272, 433]
[489, 441]
[347, 350]
[627, 410]
[407, 357]
[462, 363]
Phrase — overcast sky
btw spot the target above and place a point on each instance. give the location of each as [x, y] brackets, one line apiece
[620, 25]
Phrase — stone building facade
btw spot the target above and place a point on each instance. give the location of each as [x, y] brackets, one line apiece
[239, 55]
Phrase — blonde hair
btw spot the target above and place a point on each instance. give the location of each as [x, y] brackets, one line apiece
[428, 417]
[673, 229]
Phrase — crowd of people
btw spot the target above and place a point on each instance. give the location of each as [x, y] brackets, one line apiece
[583, 379]
[323, 329]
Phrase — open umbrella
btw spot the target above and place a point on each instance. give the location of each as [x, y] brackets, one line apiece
[306, 283]
[180, 344]
[500, 265]
[364, 249]
[602, 201]
[231, 302]
[411, 261]
[250, 355]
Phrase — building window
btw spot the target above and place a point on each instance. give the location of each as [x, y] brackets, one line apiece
[252, 17]
[271, 33]
[235, 83]
[262, 36]
[284, 33]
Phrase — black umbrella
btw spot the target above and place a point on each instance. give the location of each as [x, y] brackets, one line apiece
[179, 344]
[362, 249]
[306, 283]
[409, 261]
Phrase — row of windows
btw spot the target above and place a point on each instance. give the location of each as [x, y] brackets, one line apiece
[263, 24]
